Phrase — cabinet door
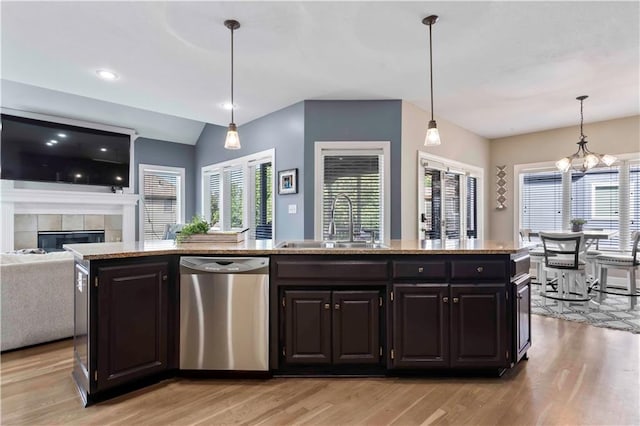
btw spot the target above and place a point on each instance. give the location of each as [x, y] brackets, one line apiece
[356, 327]
[421, 325]
[478, 326]
[308, 327]
[523, 318]
[132, 322]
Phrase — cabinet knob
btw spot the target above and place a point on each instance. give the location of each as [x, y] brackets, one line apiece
[479, 269]
[420, 269]
[327, 306]
[445, 299]
[456, 300]
[337, 306]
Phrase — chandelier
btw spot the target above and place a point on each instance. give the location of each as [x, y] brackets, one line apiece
[583, 159]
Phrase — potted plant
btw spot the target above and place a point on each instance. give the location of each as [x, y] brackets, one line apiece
[576, 224]
[197, 226]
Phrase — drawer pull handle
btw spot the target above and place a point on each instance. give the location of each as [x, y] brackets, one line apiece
[420, 269]
[445, 299]
[456, 300]
[327, 306]
[337, 307]
[479, 269]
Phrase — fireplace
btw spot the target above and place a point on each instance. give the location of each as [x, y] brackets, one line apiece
[53, 240]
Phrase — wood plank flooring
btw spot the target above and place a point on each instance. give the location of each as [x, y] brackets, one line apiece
[576, 374]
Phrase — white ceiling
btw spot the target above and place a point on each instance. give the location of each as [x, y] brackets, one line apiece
[500, 68]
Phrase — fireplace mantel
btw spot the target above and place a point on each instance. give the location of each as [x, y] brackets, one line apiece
[42, 201]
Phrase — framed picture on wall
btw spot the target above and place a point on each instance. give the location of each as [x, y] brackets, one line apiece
[288, 181]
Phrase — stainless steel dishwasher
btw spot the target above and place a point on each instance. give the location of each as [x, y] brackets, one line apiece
[224, 313]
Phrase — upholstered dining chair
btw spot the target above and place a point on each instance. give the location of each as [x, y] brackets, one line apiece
[628, 262]
[564, 256]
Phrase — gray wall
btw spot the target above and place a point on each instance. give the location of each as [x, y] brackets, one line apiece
[282, 130]
[353, 121]
[162, 153]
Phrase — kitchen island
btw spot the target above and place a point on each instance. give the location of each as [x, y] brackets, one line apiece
[406, 308]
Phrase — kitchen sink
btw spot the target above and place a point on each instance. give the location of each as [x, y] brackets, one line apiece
[311, 244]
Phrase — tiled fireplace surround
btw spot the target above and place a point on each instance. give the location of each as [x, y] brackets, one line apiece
[27, 211]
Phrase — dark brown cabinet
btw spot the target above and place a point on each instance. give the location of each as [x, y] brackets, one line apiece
[479, 325]
[522, 315]
[420, 325]
[132, 331]
[331, 327]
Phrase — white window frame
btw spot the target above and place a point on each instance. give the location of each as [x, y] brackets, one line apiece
[467, 170]
[244, 163]
[594, 186]
[180, 197]
[351, 147]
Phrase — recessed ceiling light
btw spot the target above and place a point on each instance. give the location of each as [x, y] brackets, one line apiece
[49, 144]
[107, 75]
[78, 175]
[103, 149]
[228, 106]
[62, 135]
[53, 141]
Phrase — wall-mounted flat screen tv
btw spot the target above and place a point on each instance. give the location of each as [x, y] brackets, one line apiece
[37, 150]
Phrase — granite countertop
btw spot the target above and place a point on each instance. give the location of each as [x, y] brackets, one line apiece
[94, 251]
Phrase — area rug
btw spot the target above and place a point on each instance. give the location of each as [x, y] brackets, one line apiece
[612, 313]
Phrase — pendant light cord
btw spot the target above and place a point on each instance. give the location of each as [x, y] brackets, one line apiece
[232, 104]
[431, 69]
[581, 120]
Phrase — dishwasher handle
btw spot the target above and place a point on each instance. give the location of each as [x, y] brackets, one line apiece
[224, 265]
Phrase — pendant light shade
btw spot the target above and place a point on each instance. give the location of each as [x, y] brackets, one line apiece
[433, 136]
[583, 159]
[232, 141]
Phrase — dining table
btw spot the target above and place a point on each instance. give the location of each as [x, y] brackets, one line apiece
[590, 235]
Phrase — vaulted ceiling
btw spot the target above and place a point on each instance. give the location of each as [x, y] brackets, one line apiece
[500, 68]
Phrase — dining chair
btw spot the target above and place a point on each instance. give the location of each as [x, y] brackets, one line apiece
[564, 256]
[590, 258]
[536, 254]
[627, 261]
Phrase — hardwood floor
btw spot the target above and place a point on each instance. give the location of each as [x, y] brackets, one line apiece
[576, 374]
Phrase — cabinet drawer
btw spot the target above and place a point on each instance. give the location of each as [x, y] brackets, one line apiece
[478, 269]
[419, 269]
[351, 270]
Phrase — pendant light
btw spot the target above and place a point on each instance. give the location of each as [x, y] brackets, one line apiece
[232, 140]
[433, 137]
[583, 158]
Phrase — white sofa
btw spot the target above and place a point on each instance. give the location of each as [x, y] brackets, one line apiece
[36, 292]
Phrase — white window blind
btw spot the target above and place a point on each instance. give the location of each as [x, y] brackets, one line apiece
[162, 198]
[236, 180]
[361, 178]
[634, 202]
[541, 201]
[452, 205]
[214, 199]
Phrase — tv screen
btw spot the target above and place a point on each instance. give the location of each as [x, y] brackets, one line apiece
[37, 150]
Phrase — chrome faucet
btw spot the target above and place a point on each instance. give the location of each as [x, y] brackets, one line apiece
[332, 221]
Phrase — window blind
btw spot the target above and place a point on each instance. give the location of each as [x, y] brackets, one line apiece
[541, 201]
[359, 177]
[214, 199]
[432, 204]
[594, 197]
[452, 205]
[472, 207]
[161, 198]
[263, 214]
[236, 180]
[634, 194]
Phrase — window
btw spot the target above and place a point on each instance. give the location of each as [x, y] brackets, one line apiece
[597, 196]
[541, 200]
[238, 194]
[448, 205]
[162, 204]
[360, 171]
